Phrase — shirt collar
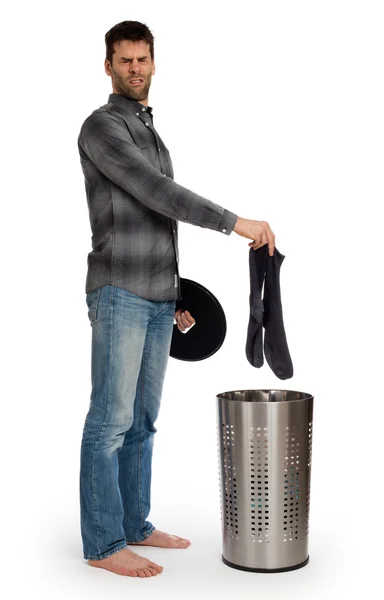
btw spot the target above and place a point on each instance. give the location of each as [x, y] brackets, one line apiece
[132, 105]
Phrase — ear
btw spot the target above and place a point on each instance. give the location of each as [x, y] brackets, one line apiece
[107, 67]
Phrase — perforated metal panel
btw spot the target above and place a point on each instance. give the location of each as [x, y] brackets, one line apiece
[264, 447]
[229, 459]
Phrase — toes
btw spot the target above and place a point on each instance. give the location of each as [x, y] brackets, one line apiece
[178, 542]
[182, 540]
[183, 543]
[140, 572]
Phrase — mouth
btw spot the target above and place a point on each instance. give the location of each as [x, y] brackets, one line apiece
[136, 82]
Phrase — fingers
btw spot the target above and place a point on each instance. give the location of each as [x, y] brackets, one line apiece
[184, 319]
[271, 240]
[266, 237]
[255, 245]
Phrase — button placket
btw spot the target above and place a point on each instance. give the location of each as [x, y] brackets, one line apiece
[147, 124]
[175, 244]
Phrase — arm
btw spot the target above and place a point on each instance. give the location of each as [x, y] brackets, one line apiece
[106, 142]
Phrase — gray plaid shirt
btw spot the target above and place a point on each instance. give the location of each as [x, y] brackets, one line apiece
[134, 203]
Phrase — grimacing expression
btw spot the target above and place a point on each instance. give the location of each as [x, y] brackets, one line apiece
[131, 70]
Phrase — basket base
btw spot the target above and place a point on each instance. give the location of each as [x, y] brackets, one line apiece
[241, 568]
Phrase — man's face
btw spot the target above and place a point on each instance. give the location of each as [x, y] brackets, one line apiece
[131, 61]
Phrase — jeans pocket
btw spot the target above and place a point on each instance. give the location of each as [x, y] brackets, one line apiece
[92, 300]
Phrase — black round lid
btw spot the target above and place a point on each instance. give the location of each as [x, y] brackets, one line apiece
[207, 335]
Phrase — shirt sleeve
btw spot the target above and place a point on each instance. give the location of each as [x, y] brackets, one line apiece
[106, 142]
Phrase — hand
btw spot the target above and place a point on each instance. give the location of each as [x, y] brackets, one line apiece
[184, 319]
[258, 231]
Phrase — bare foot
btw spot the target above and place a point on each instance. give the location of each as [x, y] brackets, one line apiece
[163, 540]
[126, 562]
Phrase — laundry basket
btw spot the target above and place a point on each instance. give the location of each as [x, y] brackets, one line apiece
[265, 449]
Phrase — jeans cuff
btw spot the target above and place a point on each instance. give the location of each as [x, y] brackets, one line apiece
[106, 554]
[145, 536]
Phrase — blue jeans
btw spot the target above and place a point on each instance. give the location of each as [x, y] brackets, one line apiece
[131, 339]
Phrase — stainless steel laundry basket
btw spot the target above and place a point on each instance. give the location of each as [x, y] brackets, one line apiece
[265, 449]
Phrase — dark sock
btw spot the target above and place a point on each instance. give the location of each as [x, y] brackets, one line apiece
[275, 342]
[257, 267]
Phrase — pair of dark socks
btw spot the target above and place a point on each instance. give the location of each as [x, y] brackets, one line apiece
[267, 313]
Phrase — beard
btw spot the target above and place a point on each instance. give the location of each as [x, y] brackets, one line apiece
[135, 93]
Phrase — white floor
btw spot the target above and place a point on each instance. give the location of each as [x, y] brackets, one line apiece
[53, 566]
[41, 541]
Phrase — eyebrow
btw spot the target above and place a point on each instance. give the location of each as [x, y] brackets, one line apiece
[126, 57]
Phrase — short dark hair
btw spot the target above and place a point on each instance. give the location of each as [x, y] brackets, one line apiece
[133, 31]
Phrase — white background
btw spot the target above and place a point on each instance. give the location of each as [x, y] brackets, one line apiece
[273, 110]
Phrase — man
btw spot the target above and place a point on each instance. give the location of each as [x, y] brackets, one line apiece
[132, 286]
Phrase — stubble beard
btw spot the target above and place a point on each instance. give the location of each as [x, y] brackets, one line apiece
[123, 87]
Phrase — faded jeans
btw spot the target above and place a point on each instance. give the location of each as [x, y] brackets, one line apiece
[131, 339]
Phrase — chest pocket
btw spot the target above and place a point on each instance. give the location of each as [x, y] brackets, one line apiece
[150, 152]
[145, 150]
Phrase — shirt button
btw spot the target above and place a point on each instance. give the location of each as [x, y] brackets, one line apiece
[137, 114]
[147, 124]
[159, 149]
[164, 174]
[224, 230]
[143, 108]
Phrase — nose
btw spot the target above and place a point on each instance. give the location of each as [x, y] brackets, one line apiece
[134, 67]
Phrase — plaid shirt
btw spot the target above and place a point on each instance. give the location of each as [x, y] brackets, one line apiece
[134, 203]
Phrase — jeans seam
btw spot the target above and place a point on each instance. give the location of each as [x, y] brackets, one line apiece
[141, 434]
[160, 311]
[110, 358]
